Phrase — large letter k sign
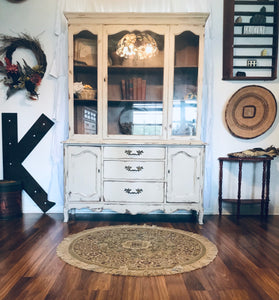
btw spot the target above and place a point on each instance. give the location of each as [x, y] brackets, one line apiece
[14, 153]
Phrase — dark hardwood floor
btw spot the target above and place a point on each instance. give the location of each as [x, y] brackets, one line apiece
[247, 265]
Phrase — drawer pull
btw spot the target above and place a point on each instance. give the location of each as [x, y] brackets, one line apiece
[136, 192]
[137, 169]
[131, 153]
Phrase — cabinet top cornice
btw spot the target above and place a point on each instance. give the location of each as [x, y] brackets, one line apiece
[137, 18]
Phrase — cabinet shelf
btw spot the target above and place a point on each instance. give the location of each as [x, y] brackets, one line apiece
[186, 67]
[137, 101]
[256, 24]
[252, 78]
[120, 68]
[85, 68]
[85, 101]
[267, 2]
[116, 67]
[257, 67]
[254, 35]
[253, 46]
[252, 13]
[243, 201]
[252, 56]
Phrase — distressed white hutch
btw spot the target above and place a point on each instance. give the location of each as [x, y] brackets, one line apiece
[135, 122]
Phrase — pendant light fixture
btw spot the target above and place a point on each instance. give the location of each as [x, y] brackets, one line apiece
[139, 45]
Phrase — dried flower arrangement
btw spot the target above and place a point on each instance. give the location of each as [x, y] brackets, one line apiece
[19, 77]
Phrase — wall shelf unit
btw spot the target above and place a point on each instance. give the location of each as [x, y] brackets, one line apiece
[250, 40]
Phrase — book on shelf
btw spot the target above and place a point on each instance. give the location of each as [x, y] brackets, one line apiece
[127, 89]
[143, 90]
[123, 89]
[133, 89]
[139, 90]
[135, 92]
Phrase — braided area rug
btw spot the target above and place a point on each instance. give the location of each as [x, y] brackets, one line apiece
[137, 250]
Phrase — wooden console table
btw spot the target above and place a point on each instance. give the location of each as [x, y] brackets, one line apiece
[264, 200]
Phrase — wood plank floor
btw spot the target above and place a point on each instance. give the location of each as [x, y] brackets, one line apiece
[247, 265]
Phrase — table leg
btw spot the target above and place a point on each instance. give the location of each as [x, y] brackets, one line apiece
[239, 188]
[263, 198]
[220, 186]
[267, 187]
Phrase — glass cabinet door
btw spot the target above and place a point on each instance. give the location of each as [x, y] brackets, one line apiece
[185, 79]
[85, 82]
[135, 80]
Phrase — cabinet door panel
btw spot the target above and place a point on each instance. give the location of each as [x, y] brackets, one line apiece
[185, 94]
[184, 174]
[136, 76]
[84, 84]
[83, 183]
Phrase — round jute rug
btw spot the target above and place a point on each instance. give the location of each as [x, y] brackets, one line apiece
[137, 250]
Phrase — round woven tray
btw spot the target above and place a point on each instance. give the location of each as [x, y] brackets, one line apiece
[250, 112]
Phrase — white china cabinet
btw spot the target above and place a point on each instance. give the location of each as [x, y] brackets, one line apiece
[135, 91]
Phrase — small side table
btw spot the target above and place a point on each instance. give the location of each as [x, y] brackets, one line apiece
[264, 200]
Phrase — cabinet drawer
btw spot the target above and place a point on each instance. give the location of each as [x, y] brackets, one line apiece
[134, 169]
[134, 152]
[134, 192]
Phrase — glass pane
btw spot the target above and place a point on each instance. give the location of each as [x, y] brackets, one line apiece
[135, 83]
[184, 112]
[85, 83]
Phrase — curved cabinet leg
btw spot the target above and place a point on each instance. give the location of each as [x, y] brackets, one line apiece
[66, 214]
[201, 217]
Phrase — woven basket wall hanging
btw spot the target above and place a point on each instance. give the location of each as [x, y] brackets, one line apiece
[250, 112]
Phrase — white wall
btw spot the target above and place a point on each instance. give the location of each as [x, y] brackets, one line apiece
[221, 142]
[30, 17]
[37, 20]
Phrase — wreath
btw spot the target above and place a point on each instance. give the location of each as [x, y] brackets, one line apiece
[19, 77]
